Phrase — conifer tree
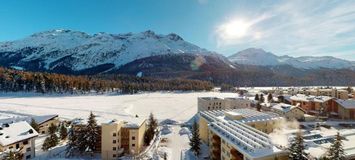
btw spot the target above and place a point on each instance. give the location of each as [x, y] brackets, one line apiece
[296, 148]
[81, 134]
[52, 140]
[195, 141]
[34, 124]
[92, 133]
[152, 126]
[13, 155]
[269, 98]
[257, 97]
[262, 99]
[336, 150]
[153, 123]
[281, 99]
[63, 131]
[72, 145]
[258, 107]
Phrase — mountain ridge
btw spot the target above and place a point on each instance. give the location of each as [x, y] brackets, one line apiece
[257, 56]
[75, 50]
[160, 56]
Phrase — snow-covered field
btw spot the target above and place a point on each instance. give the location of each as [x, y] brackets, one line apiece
[176, 106]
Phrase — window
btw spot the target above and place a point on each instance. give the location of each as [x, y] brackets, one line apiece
[114, 155]
[133, 138]
[28, 149]
[25, 142]
[114, 134]
[114, 148]
[114, 141]
[133, 145]
[17, 145]
[28, 157]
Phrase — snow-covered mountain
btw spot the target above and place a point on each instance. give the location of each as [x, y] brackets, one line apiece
[76, 51]
[259, 57]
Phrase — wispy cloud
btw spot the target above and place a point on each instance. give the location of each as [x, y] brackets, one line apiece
[296, 28]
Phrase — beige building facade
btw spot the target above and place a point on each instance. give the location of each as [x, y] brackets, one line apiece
[119, 137]
[214, 103]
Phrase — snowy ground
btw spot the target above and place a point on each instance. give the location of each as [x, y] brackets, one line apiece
[180, 107]
[176, 106]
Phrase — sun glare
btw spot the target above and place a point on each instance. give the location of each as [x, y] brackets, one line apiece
[235, 29]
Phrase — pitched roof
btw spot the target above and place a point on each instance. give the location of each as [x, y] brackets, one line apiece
[305, 98]
[38, 119]
[285, 107]
[349, 104]
[15, 132]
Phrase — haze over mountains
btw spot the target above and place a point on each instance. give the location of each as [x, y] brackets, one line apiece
[165, 56]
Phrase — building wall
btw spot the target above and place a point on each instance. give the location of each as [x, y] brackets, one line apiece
[265, 126]
[28, 147]
[346, 114]
[136, 139]
[111, 140]
[295, 113]
[204, 104]
[43, 128]
[203, 129]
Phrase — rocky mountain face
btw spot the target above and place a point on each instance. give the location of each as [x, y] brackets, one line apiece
[167, 56]
[259, 57]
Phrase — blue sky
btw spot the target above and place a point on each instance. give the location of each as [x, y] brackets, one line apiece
[296, 28]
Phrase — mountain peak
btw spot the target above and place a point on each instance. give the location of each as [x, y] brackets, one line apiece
[75, 50]
[254, 56]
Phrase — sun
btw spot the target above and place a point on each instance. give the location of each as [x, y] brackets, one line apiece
[235, 29]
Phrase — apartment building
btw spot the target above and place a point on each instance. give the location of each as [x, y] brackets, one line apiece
[330, 92]
[313, 105]
[45, 121]
[290, 112]
[215, 103]
[119, 137]
[240, 134]
[18, 136]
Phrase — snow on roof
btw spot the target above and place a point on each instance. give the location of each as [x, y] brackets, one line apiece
[249, 115]
[349, 104]
[305, 98]
[284, 107]
[225, 98]
[210, 98]
[45, 118]
[38, 119]
[246, 139]
[129, 122]
[15, 132]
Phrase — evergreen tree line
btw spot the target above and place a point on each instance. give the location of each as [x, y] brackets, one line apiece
[14, 81]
